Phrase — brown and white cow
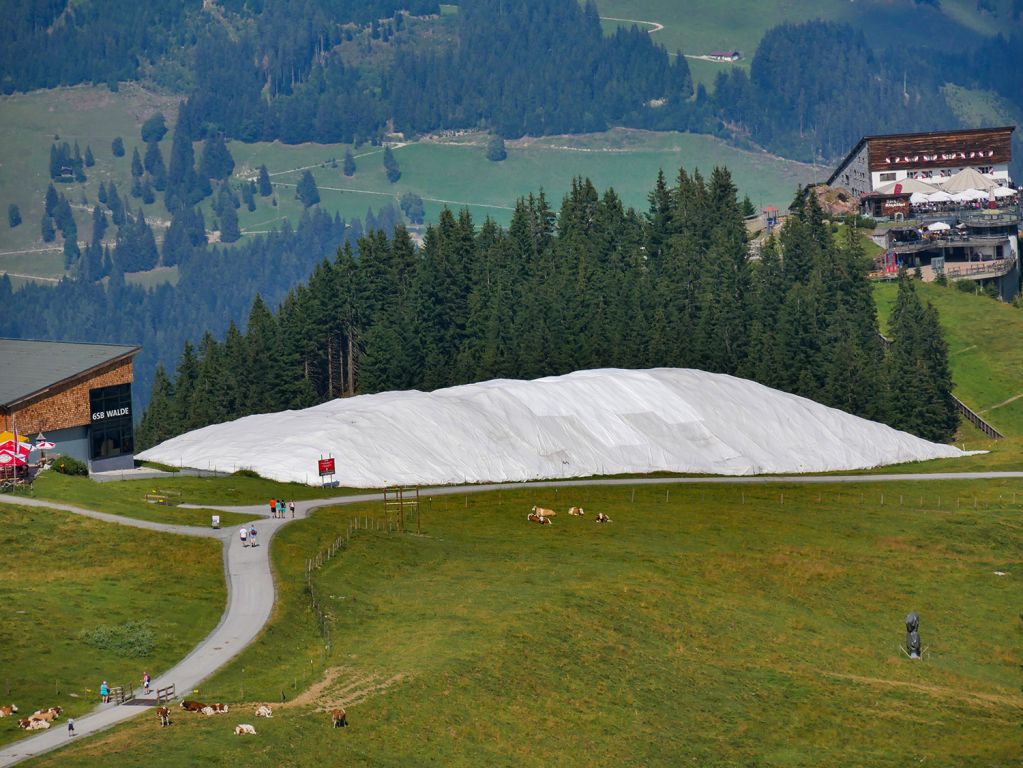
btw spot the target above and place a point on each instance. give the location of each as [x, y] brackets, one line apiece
[163, 713]
[34, 724]
[575, 511]
[544, 512]
[49, 715]
[264, 710]
[602, 518]
[244, 728]
[541, 519]
[192, 706]
[339, 718]
[219, 709]
[8, 710]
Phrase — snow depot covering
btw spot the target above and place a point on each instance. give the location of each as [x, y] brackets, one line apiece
[598, 422]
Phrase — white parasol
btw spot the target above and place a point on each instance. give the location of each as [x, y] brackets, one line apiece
[938, 226]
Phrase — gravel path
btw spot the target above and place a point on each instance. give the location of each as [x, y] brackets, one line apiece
[251, 593]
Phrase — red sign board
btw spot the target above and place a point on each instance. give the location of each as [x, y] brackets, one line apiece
[326, 467]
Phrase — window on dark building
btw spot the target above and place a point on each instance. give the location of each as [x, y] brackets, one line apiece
[111, 433]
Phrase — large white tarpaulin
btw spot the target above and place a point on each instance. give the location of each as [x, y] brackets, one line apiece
[598, 422]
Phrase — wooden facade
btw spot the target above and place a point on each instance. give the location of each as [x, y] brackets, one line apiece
[940, 149]
[65, 404]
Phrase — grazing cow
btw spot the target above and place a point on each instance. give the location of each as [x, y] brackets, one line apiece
[576, 511]
[541, 519]
[164, 714]
[544, 512]
[264, 710]
[602, 518]
[244, 728]
[8, 710]
[339, 718]
[192, 706]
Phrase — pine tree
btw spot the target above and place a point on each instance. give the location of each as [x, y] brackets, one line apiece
[184, 387]
[496, 151]
[216, 162]
[160, 419]
[101, 194]
[13, 216]
[136, 164]
[47, 230]
[265, 187]
[348, 167]
[391, 166]
[50, 201]
[117, 147]
[154, 166]
[154, 129]
[229, 230]
[306, 191]
[90, 159]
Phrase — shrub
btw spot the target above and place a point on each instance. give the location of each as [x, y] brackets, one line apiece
[131, 639]
[941, 280]
[966, 286]
[245, 473]
[68, 465]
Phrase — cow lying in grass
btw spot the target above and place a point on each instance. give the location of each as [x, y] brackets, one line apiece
[163, 713]
[339, 718]
[544, 512]
[8, 710]
[575, 511]
[244, 728]
[533, 517]
[602, 518]
[192, 706]
[214, 709]
[33, 724]
[264, 710]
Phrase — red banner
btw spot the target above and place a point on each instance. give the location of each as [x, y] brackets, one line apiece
[326, 467]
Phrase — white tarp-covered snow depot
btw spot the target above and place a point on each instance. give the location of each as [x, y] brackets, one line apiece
[598, 422]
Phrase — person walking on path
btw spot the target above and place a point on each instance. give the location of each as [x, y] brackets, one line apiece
[244, 534]
[252, 536]
[280, 509]
[291, 506]
[104, 692]
[146, 680]
[70, 727]
[273, 507]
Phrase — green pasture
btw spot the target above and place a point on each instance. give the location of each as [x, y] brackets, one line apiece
[127, 497]
[92, 116]
[699, 27]
[985, 354]
[707, 625]
[452, 175]
[62, 574]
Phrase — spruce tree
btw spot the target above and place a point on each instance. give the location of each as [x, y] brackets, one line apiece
[496, 151]
[265, 187]
[47, 230]
[136, 163]
[229, 230]
[216, 162]
[391, 166]
[117, 147]
[348, 167]
[306, 191]
[101, 194]
[160, 419]
[154, 166]
[154, 129]
[90, 159]
[13, 216]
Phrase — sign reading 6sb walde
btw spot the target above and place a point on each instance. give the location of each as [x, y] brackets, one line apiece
[111, 432]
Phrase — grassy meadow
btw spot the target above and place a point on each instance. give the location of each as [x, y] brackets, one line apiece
[706, 625]
[127, 497]
[455, 174]
[983, 338]
[62, 574]
[698, 28]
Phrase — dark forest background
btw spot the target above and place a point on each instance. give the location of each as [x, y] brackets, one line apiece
[344, 71]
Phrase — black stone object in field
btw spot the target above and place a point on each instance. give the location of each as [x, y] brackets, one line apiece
[912, 635]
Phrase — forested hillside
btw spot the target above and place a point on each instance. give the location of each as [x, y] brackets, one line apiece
[333, 71]
[595, 285]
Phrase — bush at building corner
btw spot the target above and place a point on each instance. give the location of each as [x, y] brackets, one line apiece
[67, 465]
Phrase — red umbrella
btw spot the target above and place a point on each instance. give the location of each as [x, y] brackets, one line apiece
[10, 459]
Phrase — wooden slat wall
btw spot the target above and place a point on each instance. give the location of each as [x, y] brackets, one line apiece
[998, 140]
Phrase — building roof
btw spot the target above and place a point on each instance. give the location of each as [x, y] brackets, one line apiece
[928, 141]
[31, 367]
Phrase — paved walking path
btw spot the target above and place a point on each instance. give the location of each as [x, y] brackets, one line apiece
[251, 593]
